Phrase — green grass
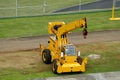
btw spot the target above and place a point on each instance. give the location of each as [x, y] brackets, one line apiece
[13, 74]
[35, 26]
[109, 61]
[110, 57]
[52, 5]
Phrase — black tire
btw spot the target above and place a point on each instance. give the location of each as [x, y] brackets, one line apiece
[79, 60]
[46, 57]
[54, 66]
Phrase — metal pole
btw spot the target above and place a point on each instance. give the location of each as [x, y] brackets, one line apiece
[114, 3]
[113, 8]
[44, 5]
[80, 5]
[16, 8]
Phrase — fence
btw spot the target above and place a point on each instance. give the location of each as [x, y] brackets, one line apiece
[17, 8]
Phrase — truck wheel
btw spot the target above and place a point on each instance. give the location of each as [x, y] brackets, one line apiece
[54, 66]
[79, 60]
[46, 57]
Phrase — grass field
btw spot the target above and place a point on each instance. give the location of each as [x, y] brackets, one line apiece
[34, 7]
[109, 61]
[35, 26]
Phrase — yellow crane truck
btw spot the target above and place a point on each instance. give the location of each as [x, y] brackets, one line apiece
[60, 52]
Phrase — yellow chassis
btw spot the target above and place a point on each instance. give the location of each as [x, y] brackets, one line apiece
[55, 51]
[72, 67]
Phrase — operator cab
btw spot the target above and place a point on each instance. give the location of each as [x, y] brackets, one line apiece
[70, 50]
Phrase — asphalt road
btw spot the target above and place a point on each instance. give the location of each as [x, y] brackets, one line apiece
[99, 4]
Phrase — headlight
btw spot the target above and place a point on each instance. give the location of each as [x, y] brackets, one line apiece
[78, 53]
[62, 54]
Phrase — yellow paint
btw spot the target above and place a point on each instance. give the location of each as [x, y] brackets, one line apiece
[113, 15]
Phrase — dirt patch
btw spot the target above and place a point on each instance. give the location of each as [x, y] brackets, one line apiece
[31, 60]
[18, 59]
[22, 60]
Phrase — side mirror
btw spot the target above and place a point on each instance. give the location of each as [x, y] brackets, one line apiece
[78, 53]
[62, 55]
